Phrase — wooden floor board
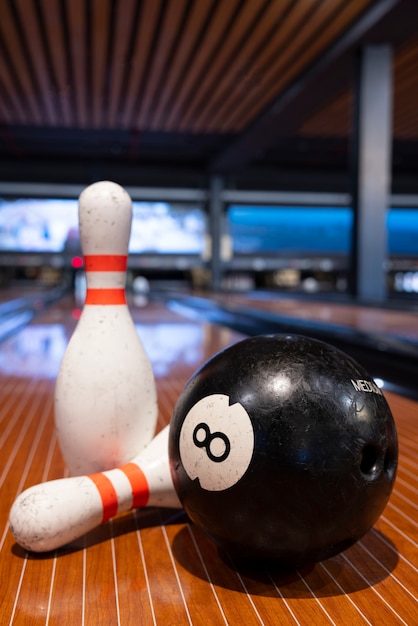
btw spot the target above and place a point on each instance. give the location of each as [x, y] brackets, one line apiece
[152, 566]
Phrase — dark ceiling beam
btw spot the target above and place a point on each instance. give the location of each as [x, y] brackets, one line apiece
[386, 21]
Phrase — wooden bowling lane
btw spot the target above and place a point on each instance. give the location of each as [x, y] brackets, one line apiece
[152, 566]
[399, 322]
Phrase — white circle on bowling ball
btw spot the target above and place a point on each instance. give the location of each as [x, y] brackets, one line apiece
[216, 442]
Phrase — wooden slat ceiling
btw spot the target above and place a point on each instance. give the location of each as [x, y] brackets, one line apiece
[199, 68]
[179, 65]
[335, 119]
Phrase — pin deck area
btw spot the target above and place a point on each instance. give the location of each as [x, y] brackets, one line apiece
[152, 566]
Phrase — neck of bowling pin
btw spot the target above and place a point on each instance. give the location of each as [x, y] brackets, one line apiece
[121, 489]
[105, 278]
[146, 481]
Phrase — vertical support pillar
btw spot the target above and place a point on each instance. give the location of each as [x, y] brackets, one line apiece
[372, 148]
[215, 230]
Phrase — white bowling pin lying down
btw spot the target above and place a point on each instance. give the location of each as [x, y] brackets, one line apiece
[51, 514]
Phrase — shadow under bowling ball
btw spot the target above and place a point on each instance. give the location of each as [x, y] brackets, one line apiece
[333, 577]
[282, 448]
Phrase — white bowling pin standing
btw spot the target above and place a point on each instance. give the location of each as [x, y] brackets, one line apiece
[105, 396]
[52, 514]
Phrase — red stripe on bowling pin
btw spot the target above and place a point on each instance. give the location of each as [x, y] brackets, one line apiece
[105, 296]
[139, 484]
[105, 262]
[107, 493]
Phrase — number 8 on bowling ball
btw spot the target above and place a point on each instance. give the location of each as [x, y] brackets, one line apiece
[282, 448]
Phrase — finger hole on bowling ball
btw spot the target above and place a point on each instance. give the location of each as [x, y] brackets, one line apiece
[369, 461]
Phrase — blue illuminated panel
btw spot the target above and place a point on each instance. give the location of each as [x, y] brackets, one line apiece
[295, 230]
[289, 230]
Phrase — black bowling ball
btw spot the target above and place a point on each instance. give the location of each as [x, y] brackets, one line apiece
[282, 448]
